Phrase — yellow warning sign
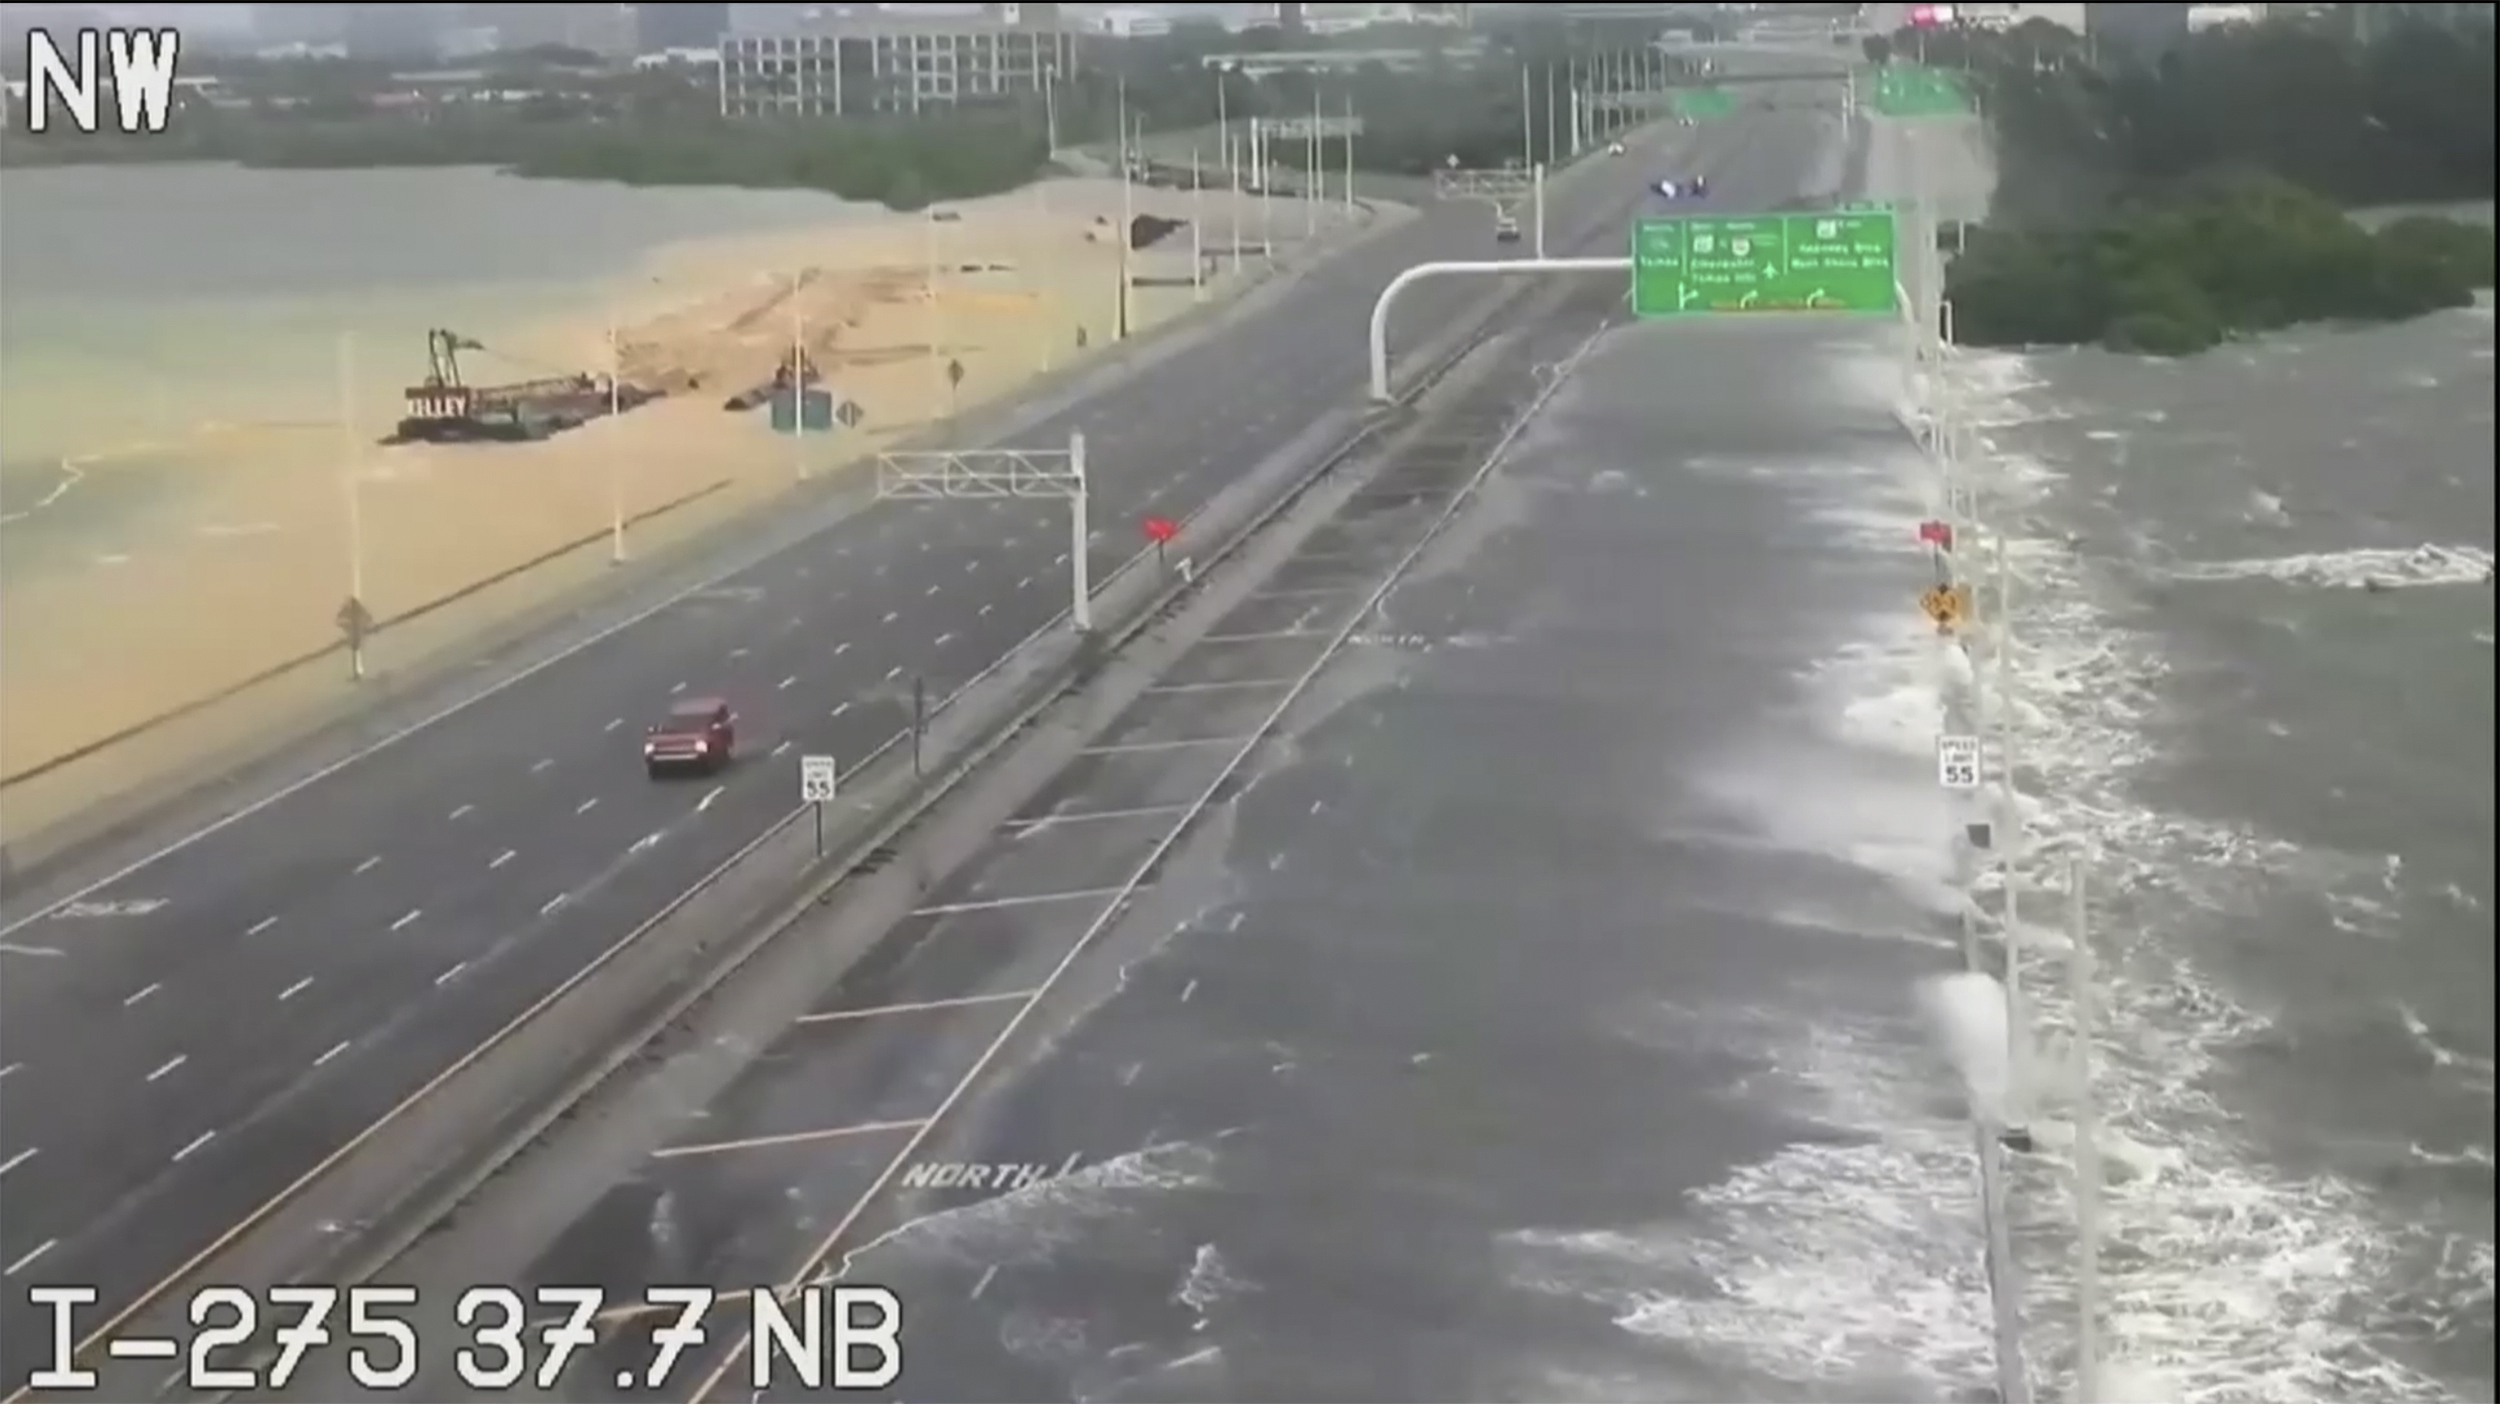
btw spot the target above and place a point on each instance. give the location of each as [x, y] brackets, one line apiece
[1948, 605]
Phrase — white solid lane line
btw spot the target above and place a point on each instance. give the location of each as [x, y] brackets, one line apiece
[28, 1261]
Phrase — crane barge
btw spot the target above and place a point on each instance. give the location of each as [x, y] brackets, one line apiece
[446, 409]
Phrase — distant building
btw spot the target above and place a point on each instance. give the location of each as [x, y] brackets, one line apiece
[659, 28]
[2140, 32]
[890, 62]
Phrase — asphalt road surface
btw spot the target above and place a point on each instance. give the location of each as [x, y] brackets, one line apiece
[195, 1032]
[1453, 1052]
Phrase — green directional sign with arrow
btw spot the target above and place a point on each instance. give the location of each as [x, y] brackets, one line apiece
[1833, 261]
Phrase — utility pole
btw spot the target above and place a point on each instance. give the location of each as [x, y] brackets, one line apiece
[1197, 223]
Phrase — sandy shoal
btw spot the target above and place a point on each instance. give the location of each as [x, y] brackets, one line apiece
[247, 565]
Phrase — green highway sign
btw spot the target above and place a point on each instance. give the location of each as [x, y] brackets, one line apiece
[1834, 261]
[1908, 90]
[1703, 104]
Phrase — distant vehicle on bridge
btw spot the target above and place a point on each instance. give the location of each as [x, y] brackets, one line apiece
[1686, 188]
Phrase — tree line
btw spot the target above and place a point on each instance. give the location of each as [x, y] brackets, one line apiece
[2167, 207]
[660, 129]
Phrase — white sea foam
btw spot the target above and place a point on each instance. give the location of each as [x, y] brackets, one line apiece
[1848, 1261]
[2222, 1280]
[2427, 564]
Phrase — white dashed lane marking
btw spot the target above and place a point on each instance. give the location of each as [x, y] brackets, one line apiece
[134, 998]
[369, 864]
[502, 858]
[450, 975]
[890, 616]
[260, 926]
[194, 1148]
[295, 989]
[464, 811]
[587, 805]
[335, 1050]
[786, 683]
[841, 648]
[170, 1064]
[407, 921]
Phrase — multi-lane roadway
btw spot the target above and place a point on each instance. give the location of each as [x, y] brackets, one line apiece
[1471, 990]
[200, 1026]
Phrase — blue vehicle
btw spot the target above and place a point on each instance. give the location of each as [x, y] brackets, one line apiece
[1694, 188]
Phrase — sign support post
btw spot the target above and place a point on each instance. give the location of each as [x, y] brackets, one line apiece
[819, 778]
[991, 474]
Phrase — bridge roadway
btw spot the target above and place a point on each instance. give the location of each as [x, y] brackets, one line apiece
[224, 1011]
[1420, 984]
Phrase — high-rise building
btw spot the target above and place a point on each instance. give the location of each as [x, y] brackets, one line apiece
[658, 27]
[890, 62]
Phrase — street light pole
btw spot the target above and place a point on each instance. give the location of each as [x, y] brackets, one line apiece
[932, 332]
[1128, 215]
[1267, 211]
[1316, 191]
[798, 378]
[1349, 155]
[349, 473]
[616, 457]
[1197, 223]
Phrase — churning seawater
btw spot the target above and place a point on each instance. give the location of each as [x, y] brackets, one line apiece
[2254, 620]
